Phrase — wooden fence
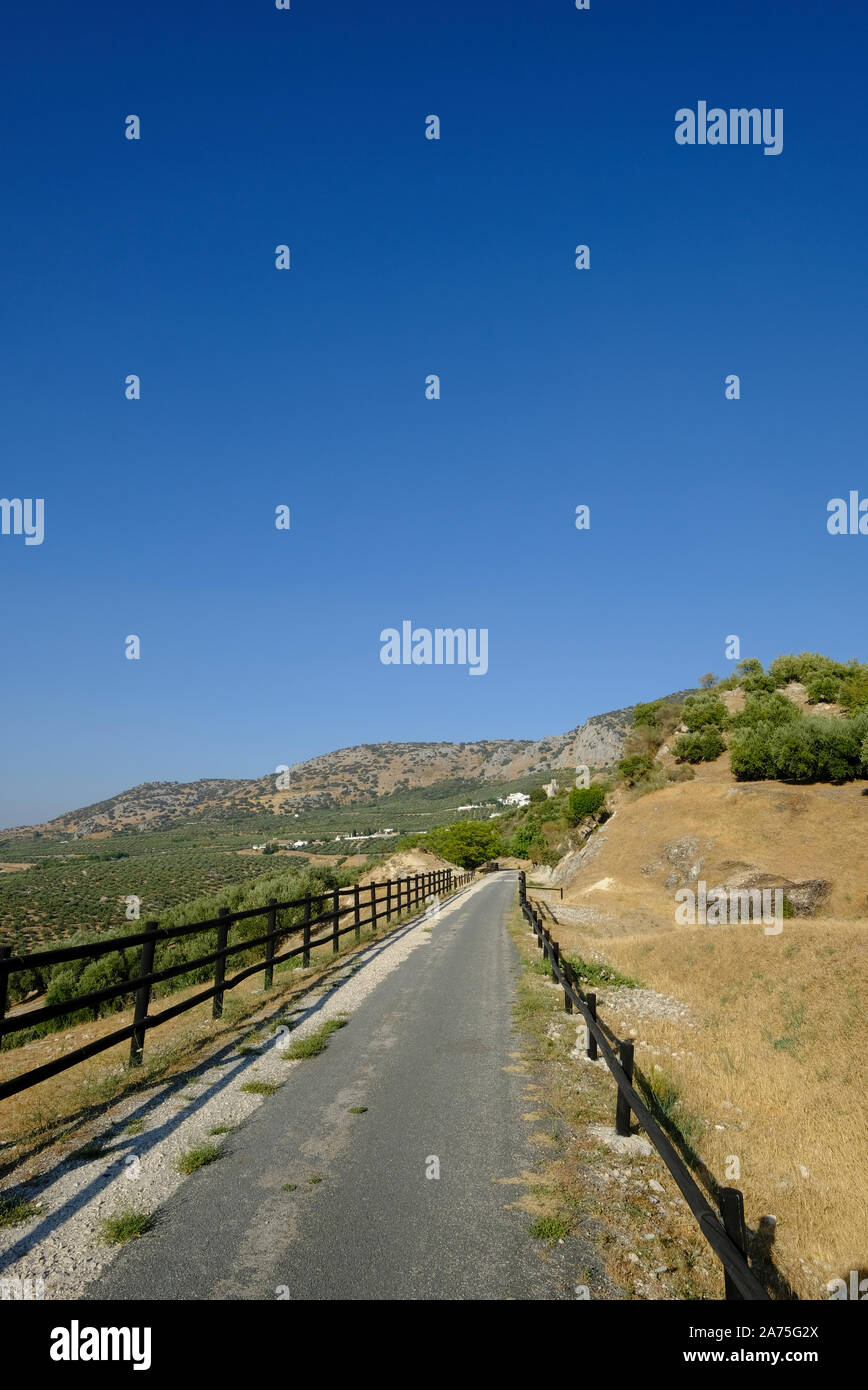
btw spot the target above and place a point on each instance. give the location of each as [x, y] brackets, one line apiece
[726, 1233]
[332, 908]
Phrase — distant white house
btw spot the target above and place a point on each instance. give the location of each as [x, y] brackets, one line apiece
[516, 799]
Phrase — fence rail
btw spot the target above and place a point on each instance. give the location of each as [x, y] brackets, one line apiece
[386, 900]
[726, 1233]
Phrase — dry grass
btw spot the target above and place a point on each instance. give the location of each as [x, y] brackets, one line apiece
[776, 1069]
[775, 1066]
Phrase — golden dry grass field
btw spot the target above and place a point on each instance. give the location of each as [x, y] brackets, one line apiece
[768, 1065]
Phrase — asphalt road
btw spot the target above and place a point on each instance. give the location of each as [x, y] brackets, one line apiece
[431, 1053]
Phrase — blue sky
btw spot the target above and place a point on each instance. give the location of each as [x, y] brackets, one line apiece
[307, 387]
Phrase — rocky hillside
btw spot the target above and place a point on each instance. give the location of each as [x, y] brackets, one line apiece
[347, 776]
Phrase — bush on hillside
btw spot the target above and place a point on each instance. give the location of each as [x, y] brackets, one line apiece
[750, 666]
[648, 714]
[765, 707]
[701, 747]
[750, 757]
[527, 843]
[585, 801]
[804, 750]
[804, 666]
[823, 688]
[758, 682]
[467, 843]
[632, 769]
[704, 710]
[853, 692]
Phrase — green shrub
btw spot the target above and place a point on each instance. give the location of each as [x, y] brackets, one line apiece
[703, 710]
[758, 682]
[648, 714]
[823, 688]
[467, 843]
[804, 750]
[765, 707]
[750, 757]
[525, 841]
[750, 666]
[853, 692]
[805, 666]
[634, 768]
[585, 801]
[700, 747]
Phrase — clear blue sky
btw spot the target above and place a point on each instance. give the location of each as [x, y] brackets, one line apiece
[306, 387]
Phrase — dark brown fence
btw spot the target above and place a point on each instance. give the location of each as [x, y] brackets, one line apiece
[726, 1233]
[381, 902]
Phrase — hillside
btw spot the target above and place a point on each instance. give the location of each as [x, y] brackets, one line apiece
[752, 1040]
[349, 776]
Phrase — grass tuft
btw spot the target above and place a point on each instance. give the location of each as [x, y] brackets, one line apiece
[13, 1213]
[549, 1228]
[316, 1042]
[127, 1225]
[199, 1157]
[95, 1148]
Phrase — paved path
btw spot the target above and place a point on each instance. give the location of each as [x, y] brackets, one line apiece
[431, 1053]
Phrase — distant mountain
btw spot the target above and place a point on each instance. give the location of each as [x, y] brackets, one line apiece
[346, 777]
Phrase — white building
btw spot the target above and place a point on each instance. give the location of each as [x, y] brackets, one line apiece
[516, 799]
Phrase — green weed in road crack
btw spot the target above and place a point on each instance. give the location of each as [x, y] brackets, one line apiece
[550, 1228]
[199, 1157]
[316, 1042]
[126, 1225]
[358, 1110]
[261, 1088]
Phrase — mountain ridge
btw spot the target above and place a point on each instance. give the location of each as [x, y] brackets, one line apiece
[347, 776]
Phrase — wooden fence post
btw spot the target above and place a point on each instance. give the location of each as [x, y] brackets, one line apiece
[622, 1109]
[568, 974]
[142, 996]
[591, 1002]
[220, 963]
[356, 912]
[732, 1211]
[554, 957]
[269, 945]
[388, 900]
[336, 905]
[305, 958]
[374, 909]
